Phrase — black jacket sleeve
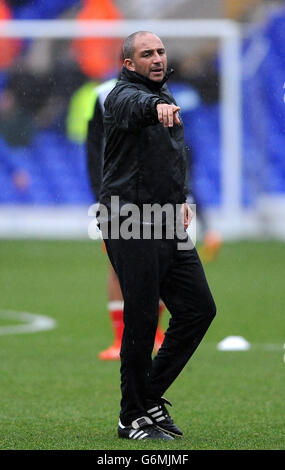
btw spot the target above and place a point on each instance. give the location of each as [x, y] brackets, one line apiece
[95, 149]
[186, 189]
[131, 107]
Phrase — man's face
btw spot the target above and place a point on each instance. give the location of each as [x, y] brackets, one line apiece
[149, 57]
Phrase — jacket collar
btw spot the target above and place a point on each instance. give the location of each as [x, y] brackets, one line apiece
[135, 77]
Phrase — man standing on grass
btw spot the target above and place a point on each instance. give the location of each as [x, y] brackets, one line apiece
[145, 165]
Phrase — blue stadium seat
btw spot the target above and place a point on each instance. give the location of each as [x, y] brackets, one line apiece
[39, 9]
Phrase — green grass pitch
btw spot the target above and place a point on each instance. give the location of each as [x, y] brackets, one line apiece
[56, 393]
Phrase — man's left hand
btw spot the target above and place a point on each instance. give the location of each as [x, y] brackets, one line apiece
[187, 215]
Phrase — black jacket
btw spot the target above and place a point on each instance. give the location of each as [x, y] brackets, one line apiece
[95, 149]
[95, 144]
[144, 162]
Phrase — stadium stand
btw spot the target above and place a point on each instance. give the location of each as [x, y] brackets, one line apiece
[263, 108]
[37, 9]
[56, 169]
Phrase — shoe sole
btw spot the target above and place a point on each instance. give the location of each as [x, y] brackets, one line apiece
[148, 439]
[169, 432]
[122, 436]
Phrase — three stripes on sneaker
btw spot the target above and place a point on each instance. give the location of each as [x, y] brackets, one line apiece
[135, 433]
[156, 413]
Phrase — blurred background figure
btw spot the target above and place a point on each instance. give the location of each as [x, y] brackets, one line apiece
[97, 56]
[16, 124]
[95, 161]
[10, 48]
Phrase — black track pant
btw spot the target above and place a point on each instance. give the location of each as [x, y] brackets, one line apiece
[149, 270]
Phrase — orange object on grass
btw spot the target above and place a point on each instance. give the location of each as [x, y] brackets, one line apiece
[9, 48]
[98, 57]
[211, 247]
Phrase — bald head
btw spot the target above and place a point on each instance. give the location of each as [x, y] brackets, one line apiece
[145, 54]
[129, 44]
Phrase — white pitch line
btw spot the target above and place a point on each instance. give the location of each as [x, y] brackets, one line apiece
[32, 322]
[268, 346]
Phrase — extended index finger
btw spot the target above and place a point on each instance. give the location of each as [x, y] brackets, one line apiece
[170, 117]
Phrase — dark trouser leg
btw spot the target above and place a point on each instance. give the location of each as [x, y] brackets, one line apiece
[138, 265]
[147, 270]
[189, 300]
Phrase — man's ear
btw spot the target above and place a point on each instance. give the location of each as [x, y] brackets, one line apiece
[129, 64]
